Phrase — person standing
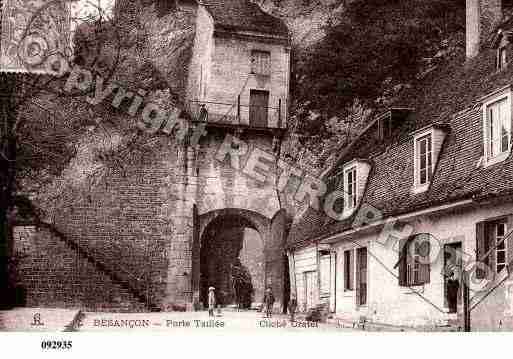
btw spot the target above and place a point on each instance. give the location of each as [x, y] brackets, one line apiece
[453, 287]
[268, 302]
[211, 301]
[292, 308]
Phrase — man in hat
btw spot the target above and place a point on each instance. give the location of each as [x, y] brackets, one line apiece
[268, 302]
[211, 301]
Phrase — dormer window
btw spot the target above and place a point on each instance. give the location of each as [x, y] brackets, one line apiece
[351, 196]
[261, 62]
[497, 127]
[427, 145]
[355, 177]
[502, 59]
[425, 160]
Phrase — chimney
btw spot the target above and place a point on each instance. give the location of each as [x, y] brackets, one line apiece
[482, 17]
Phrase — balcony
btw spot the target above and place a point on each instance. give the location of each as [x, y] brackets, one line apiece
[236, 115]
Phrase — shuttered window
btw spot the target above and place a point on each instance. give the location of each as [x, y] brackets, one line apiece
[348, 270]
[414, 268]
[494, 245]
[261, 62]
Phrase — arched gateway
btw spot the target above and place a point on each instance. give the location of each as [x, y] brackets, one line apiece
[233, 243]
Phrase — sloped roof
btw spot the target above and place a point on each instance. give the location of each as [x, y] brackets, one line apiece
[449, 96]
[233, 15]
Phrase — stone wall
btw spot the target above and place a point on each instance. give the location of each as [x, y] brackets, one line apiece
[231, 76]
[200, 65]
[137, 220]
[51, 273]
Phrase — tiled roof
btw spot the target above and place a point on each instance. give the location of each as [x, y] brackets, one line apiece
[232, 15]
[451, 96]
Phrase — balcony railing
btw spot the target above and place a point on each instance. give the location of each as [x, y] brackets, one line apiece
[237, 114]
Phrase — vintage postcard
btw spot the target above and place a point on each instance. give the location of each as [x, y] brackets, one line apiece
[334, 166]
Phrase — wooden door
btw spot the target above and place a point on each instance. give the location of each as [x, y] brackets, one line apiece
[310, 289]
[361, 273]
[258, 107]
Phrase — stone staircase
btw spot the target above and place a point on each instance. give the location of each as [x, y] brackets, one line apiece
[59, 273]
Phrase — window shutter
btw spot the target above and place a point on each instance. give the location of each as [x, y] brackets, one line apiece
[356, 261]
[425, 269]
[481, 248]
[402, 263]
[351, 269]
[490, 243]
[425, 273]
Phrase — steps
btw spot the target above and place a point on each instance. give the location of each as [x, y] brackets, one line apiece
[56, 272]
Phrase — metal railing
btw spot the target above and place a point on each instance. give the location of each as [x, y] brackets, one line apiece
[235, 113]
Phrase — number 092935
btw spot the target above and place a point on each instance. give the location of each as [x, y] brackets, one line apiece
[56, 344]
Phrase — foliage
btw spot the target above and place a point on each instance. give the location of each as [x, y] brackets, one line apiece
[373, 50]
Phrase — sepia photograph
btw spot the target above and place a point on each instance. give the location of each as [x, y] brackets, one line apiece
[300, 167]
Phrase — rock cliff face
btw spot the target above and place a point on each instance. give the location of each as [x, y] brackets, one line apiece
[305, 18]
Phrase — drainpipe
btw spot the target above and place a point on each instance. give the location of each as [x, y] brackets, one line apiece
[318, 272]
[466, 302]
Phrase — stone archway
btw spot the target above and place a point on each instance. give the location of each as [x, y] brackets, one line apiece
[218, 243]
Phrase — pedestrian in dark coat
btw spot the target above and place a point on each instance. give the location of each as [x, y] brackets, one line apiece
[292, 308]
[211, 301]
[453, 286]
[268, 302]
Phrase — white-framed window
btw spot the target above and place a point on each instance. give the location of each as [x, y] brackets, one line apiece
[351, 195]
[501, 253]
[426, 148]
[496, 110]
[492, 245]
[261, 62]
[424, 151]
[498, 127]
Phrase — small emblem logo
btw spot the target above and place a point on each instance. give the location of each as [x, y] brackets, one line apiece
[37, 320]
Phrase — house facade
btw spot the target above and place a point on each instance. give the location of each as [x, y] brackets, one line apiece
[240, 70]
[424, 200]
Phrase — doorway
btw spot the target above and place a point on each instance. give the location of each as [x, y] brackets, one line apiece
[232, 261]
[310, 289]
[452, 277]
[258, 108]
[361, 272]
